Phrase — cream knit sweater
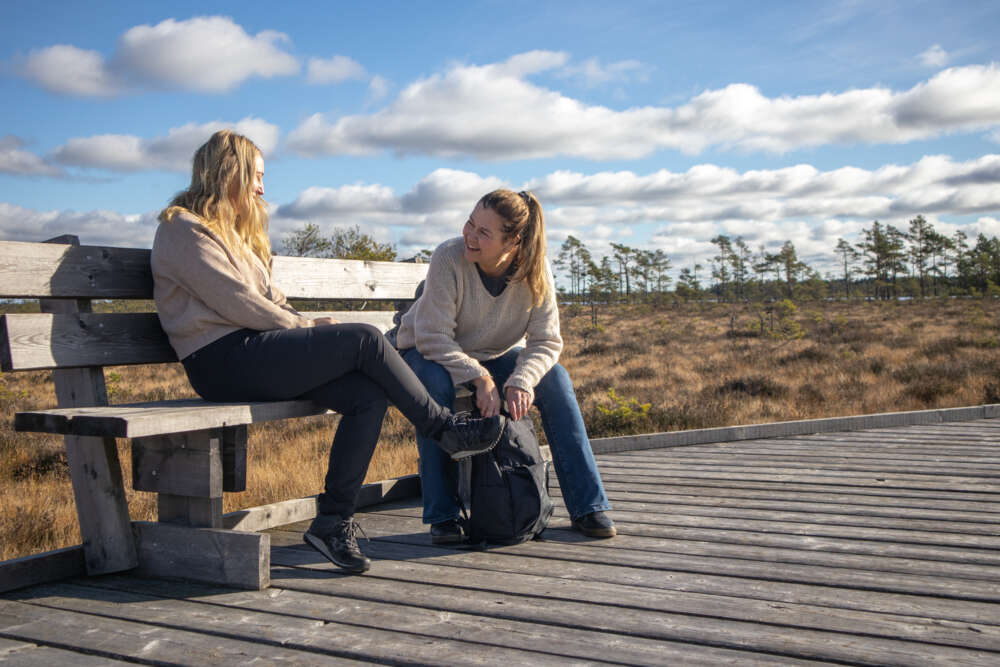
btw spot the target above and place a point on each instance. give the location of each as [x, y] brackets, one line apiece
[457, 323]
[204, 291]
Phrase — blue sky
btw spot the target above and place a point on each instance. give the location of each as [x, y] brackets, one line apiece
[654, 124]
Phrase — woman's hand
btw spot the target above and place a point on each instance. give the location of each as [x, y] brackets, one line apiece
[518, 402]
[487, 396]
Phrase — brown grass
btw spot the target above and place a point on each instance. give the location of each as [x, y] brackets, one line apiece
[677, 367]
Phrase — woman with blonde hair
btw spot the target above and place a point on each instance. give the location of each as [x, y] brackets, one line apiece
[239, 339]
[485, 292]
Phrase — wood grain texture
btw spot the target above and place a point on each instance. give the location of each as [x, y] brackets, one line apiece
[39, 270]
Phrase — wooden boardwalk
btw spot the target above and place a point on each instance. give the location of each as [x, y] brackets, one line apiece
[873, 547]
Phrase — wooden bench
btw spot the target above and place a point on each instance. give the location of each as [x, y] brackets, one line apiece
[187, 451]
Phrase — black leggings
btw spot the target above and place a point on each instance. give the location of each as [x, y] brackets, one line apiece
[349, 368]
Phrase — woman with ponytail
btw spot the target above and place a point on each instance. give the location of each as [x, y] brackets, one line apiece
[240, 340]
[487, 293]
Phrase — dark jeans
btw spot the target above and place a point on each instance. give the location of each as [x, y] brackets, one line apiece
[349, 368]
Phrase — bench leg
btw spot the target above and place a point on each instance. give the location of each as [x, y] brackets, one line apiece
[186, 470]
[223, 557]
[96, 474]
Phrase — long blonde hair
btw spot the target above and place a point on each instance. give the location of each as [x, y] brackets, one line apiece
[524, 221]
[222, 196]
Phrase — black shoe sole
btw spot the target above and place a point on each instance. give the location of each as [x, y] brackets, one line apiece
[320, 546]
[466, 453]
[601, 532]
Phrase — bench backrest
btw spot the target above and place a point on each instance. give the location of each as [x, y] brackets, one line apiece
[74, 275]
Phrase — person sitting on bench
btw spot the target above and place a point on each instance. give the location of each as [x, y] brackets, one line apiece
[484, 292]
[239, 340]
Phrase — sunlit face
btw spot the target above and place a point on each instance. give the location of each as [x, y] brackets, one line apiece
[258, 177]
[484, 241]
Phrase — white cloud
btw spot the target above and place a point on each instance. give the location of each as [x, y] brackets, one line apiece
[494, 112]
[123, 152]
[935, 56]
[334, 70]
[93, 227]
[68, 70]
[594, 73]
[209, 54]
[14, 160]
[378, 88]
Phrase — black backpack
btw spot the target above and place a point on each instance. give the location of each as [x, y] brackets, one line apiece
[504, 493]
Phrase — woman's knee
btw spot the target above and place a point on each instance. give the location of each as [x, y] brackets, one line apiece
[557, 379]
[433, 375]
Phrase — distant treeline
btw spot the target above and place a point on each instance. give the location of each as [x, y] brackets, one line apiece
[887, 263]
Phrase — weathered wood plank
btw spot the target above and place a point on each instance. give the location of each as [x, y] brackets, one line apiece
[38, 341]
[304, 509]
[39, 568]
[794, 640]
[395, 528]
[190, 510]
[39, 270]
[801, 427]
[117, 638]
[136, 420]
[32, 655]
[390, 548]
[334, 625]
[224, 557]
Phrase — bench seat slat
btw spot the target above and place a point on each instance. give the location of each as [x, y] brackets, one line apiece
[136, 420]
[38, 341]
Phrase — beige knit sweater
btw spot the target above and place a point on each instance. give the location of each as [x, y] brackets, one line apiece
[204, 291]
[457, 323]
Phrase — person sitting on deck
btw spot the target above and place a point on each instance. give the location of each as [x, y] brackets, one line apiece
[486, 291]
[239, 340]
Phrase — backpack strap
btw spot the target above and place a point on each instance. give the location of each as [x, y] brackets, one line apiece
[465, 489]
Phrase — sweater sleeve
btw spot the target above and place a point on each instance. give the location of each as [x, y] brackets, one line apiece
[198, 263]
[543, 344]
[435, 321]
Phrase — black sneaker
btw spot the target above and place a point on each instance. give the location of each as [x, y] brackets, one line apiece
[446, 532]
[595, 524]
[336, 539]
[465, 435]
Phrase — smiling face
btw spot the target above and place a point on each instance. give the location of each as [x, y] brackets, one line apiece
[484, 241]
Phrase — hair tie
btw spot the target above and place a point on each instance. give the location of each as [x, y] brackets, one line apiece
[525, 196]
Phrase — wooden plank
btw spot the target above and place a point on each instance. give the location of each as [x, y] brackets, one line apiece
[31, 655]
[40, 568]
[313, 278]
[793, 640]
[827, 464]
[285, 512]
[225, 557]
[136, 420]
[559, 561]
[39, 270]
[435, 583]
[116, 638]
[798, 427]
[393, 528]
[183, 464]
[38, 341]
[333, 625]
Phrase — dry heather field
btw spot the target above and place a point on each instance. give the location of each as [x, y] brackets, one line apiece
[642, 369]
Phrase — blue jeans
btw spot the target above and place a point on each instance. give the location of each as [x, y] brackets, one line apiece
[575, 467]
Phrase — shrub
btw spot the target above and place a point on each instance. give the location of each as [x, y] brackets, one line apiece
[756, 385]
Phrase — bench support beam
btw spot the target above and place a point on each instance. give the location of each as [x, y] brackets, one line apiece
[222, 557]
